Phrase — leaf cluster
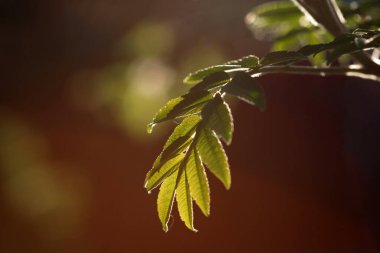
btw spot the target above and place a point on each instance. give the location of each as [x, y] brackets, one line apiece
[204, 118]
[196, 143]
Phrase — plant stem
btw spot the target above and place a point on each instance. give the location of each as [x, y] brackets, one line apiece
[306, 70]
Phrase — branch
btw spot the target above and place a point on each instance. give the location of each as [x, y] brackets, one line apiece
[306, 70]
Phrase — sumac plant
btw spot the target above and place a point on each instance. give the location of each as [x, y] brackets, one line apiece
[316, 37]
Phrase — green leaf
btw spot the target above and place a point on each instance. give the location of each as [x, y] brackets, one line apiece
[212, 81]
[165, 199]
[185, 105]
[249, 61]
[186, 127]
[212, 154]
[357, 44]
[199, 75]
[282, 57]
[178, 142]
[365, 33]
[336, 43]
[247, 89]
[198, 183]
[312, 49]
[217, 116]
[155, 176]
[184, 201]
[163, 112]
[271, 13]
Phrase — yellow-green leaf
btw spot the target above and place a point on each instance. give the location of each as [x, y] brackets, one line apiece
[155, 176]
[186, 127]
[183, 106]
[198, 182]
[184, 201]
[165, 199]
[172, 153]
[163, 112]
[212, 154]
[217, 116]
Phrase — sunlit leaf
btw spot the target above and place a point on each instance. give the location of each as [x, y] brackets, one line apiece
[212, 154]
[247, 89]
[199, 75]
[185, 105]
[186, 127]
[165, 199]
[177, 142]
[184, 201]
[155, 176]
[198, 183]
[249, 61]
[217, 116]
[163, 112]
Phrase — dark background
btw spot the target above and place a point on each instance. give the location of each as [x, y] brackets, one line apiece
[305, 172]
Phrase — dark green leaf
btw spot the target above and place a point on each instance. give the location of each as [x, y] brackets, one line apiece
[317, 48]
[282, 57]
[247, 89]
[212, 81]
[358, 44]
[249, 61]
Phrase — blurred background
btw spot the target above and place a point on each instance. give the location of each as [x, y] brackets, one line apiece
[79, 81]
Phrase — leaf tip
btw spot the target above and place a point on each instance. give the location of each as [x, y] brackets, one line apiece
[149, 127]
[189, 79]
[227, 184]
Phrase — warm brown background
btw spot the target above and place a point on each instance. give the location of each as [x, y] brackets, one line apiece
[305, 173]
